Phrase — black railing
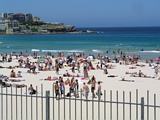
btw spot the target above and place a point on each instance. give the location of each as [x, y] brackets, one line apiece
[17, 104]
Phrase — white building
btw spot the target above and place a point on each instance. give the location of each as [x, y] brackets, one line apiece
[2, 25]
[1, 16]
[36, 19]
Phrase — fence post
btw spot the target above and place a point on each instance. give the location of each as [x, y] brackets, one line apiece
[47, 105]
[142, 108]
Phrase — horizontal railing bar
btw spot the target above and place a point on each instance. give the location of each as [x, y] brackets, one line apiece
[102, 101]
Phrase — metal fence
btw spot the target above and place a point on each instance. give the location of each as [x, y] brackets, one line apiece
[17, 104]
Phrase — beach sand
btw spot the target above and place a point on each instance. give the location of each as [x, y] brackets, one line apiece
[108, 84]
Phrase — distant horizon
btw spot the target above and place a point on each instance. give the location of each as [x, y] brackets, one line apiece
[123, 27]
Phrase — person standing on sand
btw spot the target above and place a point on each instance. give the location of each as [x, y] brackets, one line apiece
[57, 68]
[156, 70]
[76, 88]
[56, 87]
[99, 91]
[93, 86]
[73, 67]
[78, 67]
[85, 90]
[85, 71]
[62, 87]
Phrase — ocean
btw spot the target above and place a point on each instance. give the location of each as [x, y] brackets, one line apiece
[140, 41]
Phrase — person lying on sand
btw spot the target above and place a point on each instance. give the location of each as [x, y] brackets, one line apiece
[123, 79]
[112, 76]
[140, 74]
[132, 67]
[140, 65]
[16, 80]
[69, 75]
[144, 76]
[131, 73]
[18, 85]
[4, 84]
[49, 78]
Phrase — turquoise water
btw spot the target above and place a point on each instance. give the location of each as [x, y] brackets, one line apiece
[130, 40]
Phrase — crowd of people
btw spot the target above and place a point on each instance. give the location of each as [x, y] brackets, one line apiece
[78, 65]
[74, 89]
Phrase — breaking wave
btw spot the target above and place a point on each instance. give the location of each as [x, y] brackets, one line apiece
[151, 51]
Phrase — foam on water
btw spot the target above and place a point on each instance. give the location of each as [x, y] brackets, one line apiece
[151, 51]
[67, 51]
[50, 51]
[35, 50]
[96, 51]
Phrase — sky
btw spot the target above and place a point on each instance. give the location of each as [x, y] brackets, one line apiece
[90, 13]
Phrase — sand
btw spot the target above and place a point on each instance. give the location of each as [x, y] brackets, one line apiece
[108, 83]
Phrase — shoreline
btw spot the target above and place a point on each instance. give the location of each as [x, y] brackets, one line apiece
[54, 33]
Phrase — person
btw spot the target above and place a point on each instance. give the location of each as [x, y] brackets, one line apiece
[97, 66]
[156, 70]
[57, 68]
[62, 87]
[78, 67]
[93, 84]
[99, 91]
[31, 90]
[140, 73]
[19, 74]
[73, 67]
[85, 90]
[85, 71]
[72, 86]
[13, 74]
[56, 89]
[105, 70]
[33, 68]
[76, 88]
